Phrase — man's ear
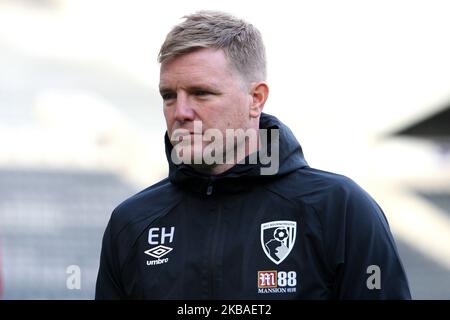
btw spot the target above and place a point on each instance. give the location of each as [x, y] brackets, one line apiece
[259, 92]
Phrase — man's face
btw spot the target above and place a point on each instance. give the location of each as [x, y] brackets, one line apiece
[202, 86]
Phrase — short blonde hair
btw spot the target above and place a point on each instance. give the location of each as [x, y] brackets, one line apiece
[241, 42]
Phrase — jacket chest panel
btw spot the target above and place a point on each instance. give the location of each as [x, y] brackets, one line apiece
[228, 249]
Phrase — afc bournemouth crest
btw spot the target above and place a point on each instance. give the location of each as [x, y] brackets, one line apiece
[277, 239]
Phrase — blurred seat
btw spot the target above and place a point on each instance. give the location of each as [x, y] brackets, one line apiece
[49, 221]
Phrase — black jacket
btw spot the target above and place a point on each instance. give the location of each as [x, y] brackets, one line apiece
[299, 234]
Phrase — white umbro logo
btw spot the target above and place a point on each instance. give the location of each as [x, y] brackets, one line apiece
[159, 237]
[158, 251]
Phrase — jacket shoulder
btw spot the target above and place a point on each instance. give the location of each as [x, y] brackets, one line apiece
[312, 186]
[145, 205]
[333, 198]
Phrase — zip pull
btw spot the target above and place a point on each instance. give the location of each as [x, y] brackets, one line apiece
[210, 187]
[209, 190]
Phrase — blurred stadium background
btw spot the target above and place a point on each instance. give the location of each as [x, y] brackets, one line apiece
[365, 86]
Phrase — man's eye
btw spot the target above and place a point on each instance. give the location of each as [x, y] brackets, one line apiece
[201, 93]
[168, 96]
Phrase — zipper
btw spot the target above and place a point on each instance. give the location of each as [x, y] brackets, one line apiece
[214, 248]
[215, 231]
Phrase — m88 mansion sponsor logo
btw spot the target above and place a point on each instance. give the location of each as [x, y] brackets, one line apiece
[277, 241]
[272, 281]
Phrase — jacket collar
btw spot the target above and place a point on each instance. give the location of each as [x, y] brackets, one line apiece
[241, 176]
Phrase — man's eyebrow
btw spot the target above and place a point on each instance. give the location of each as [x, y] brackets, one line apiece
[163, 89]
[164, 86]
[208, 87]
[211, 87]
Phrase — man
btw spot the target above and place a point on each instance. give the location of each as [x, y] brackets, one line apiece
[241, 215]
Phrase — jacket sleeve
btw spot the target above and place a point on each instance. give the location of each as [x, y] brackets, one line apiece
[108, 285]
[366, 261]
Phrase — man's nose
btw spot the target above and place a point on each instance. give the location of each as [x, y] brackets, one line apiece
[183, 109]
